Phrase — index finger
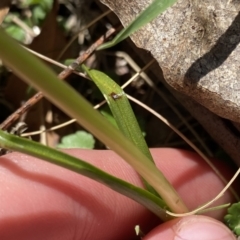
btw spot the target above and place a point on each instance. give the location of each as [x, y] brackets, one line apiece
[43, 201]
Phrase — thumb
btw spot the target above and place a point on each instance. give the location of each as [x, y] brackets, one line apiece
[191, 228]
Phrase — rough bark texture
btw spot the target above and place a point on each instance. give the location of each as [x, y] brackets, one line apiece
[196, 45]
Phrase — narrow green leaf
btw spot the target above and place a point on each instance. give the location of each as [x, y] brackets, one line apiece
[153, 203]
[146, 16]
[122, 112]
[34, 72]
[120, 108]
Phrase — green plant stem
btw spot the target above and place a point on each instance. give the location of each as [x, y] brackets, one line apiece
[153, 203]
[34, 72]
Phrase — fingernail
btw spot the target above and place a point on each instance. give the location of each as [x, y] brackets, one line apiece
[201, 227]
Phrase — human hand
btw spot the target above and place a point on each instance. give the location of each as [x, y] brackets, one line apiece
[39, 200]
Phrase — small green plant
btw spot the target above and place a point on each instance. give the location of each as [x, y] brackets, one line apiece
[232, 219]
[131, 147]
[123, 136]
[79, 139]
[77, 107]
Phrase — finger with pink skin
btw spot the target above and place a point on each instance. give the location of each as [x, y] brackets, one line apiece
[39, 200]
[191, 228]
[194, 180]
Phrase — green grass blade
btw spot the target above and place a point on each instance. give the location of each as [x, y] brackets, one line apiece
[122, 112]
[120, 108]
[35, 73]
[146, 16]
[153, 203]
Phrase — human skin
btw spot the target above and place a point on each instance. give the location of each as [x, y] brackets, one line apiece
[39, 200]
